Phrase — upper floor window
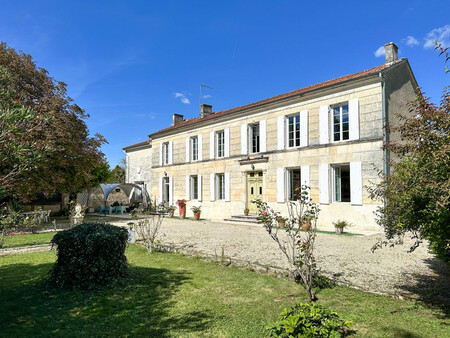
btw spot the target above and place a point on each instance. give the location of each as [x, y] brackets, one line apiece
[165, 153]
[194, 148]
[340, 120]
[220, 143]
[254, 138]
[293, 131]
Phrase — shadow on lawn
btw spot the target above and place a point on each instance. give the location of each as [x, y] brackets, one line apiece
[432, 290]
[140, 305]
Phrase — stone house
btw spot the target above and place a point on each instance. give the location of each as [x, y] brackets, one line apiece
[328, 136]
[138, 165]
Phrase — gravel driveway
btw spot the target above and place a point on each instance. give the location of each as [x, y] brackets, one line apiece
[347, 258]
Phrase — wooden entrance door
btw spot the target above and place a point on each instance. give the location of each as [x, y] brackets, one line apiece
[254, 189]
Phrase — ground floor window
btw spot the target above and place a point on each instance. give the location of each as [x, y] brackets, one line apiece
[341, 183]
[220, 186]
[293, 183]
[166, 190]
[194, 187]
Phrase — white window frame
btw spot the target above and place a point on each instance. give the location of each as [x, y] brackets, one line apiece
[194, 145]
[250, 138]
[217, 141]
[165, 153]
[341, 128]
[289, 182]
[220, 193]
[334, 169]
[192, 180]
[295, 116]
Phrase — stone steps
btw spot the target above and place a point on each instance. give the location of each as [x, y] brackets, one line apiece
[244, 219]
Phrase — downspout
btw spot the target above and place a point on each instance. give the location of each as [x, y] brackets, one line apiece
[385, 131]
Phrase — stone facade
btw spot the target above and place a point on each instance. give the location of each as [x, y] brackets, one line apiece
[138, 164]
[321, 162]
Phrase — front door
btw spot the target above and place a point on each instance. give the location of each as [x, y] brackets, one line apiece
[254, 189]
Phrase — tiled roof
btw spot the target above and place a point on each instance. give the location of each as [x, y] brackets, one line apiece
[371, 71]
[138, 144]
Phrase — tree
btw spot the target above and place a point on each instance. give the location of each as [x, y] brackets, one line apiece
[117, 175]
[417, 192]
[45, 143]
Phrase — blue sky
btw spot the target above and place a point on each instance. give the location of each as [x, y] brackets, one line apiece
[131, 64]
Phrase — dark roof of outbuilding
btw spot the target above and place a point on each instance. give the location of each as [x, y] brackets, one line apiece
[140, 144]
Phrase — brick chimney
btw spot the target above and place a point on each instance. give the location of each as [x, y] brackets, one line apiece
[176, 118]
[390, 52]
[205, 110]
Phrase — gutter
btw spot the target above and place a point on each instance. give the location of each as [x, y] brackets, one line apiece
[385, 132]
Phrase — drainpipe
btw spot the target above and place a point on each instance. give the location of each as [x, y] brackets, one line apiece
[385, 132]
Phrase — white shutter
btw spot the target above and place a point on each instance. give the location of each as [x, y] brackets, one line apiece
[280, 132]
[199, 187]
[200, 147]
[303, 128]
[188, 190]
[227, 142]
[304, 176]
[160, 153]
[227, 187]
[323, 125]
[355, 183]
[212, 186]
[353, 119]
[170, 152]
[161, 194]
[280, 185]
[211, 145]
[324, 195]
[188, 148]
[170, 190]
[244, 139]
[262, 135]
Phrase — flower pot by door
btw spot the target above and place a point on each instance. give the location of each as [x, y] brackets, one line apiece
[182, 211]
[170, 213]
[281, 224]
[339, 230]
[306, 225]
[197, 216]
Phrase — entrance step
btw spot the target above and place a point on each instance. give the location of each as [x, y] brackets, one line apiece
[245, 219]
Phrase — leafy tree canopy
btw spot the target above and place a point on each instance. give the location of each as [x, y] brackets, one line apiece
[45, 146]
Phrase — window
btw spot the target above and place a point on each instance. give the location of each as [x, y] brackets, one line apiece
[165, 153]
[293, 182]
[166, 190]
[340, 123]
[220, 143]
[194, 187]
[293, 131]
[341, 183]
[254, 138]
[220, 186]
[194, 148]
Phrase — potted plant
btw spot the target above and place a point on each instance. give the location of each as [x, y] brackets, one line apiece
[182, 208]
[306, 221]
[170, 210]
[196, 211]
[246, 210]
[339, 226]
[281, 221]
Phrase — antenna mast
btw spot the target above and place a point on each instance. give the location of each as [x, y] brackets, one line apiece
[202, 85]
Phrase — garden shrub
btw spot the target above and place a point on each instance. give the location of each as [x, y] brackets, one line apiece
[310, 320]
[91, 254]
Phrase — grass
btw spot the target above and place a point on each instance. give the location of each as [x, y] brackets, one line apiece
[169, 295]
[28, 239]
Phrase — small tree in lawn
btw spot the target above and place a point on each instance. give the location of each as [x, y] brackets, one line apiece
[296, 245]
[147, 229]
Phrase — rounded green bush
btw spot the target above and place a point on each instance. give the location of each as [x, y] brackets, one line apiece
[91, 254]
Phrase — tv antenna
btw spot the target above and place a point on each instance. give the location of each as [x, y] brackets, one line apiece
[202, 85]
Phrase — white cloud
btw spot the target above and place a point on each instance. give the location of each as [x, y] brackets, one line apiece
[182, 97]
[441, 35]
[207, 96]
[379, 52]
[410, 41]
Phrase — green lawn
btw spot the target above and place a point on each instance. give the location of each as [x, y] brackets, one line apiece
[169, 295]
[28, 239]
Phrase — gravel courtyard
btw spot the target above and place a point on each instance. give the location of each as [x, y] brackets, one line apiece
[347, 258]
